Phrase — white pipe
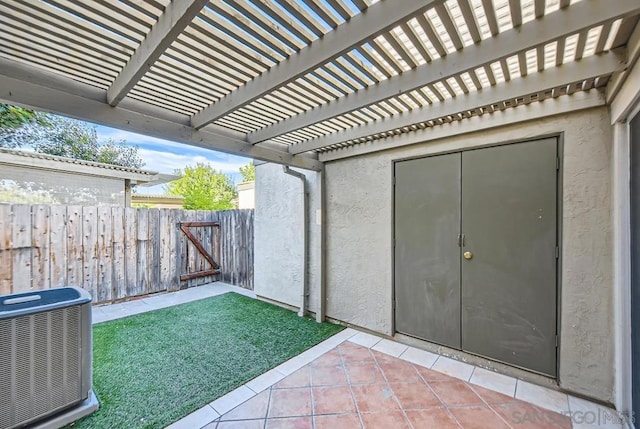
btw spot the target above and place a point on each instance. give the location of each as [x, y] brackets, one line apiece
[321, 311]
[305, 239]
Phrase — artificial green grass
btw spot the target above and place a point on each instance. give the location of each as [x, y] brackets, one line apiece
[154, 368]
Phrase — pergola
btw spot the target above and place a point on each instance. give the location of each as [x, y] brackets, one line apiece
[300, 82]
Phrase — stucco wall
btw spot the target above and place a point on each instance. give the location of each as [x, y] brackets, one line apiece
[359, 239]
[278, 234]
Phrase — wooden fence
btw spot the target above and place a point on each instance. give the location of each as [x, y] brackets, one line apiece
[116, 252]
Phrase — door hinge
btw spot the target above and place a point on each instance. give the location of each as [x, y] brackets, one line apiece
[394, 179]
[394, 243]
[556, 341]
[557, 163]
[557, 252]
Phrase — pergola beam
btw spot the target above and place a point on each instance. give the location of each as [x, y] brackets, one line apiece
[633, 54]
[374, 21]
[575, 19]
[176, 17]
[590, 67]
[22, 85]
[497, 119]
[628, 96]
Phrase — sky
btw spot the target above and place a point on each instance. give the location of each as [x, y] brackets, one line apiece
[165, 156]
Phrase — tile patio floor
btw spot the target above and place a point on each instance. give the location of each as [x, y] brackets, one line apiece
[358, 380]
[352, 386]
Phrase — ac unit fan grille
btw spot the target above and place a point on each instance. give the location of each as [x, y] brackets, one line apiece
[40, 364]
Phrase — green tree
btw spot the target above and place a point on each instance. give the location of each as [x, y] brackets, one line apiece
[13, 118]
[203, 188]
[248, 172]
[56, 135]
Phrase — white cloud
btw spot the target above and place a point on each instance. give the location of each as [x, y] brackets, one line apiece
[166, 156]
[166, 162]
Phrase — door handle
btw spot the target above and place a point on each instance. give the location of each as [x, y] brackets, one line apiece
[467, 255]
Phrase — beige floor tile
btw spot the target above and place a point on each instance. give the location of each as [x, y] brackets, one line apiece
[365, 340]
[493, 381]
[543, 397]
[453, 368]
[390, 348]
[419, 357]
[197, 419]
[254, 408]
[232, 399]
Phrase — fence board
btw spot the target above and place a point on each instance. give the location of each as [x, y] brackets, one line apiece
[174, 216]
[182, 257]
[21, 252]
[228, 228]
[74, 246]
[58, 245]
[213, 242]
[105, 254]
[164, 237]
[6, 274]
[224, 250]
[191, 253]
[205, 238]
[40, 242]
[216, 245]
[119, 274]
[249, 245]
[143, 252]
[201, 235]
[153, 253]
[116, 252]
[90, 250]
[131, 251]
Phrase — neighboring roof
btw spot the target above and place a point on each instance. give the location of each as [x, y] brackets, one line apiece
[70, 165]
[246, 186]
[168, 197]
[161, 178]
[153, 197]
[290, 80]
[165, 201]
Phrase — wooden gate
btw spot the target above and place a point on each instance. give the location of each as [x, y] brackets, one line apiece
[205, 238]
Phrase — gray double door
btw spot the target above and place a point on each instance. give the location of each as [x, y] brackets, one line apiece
[475, 252]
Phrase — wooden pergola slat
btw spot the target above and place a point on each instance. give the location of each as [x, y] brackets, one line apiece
[379, 18]
[170, 24]
[590, 67]
[307, 75]
[531, 35]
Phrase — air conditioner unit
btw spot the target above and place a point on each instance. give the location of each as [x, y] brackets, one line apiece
[45, 358]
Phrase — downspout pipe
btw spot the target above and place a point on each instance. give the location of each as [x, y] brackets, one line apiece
[322, 293]
[305, 238]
